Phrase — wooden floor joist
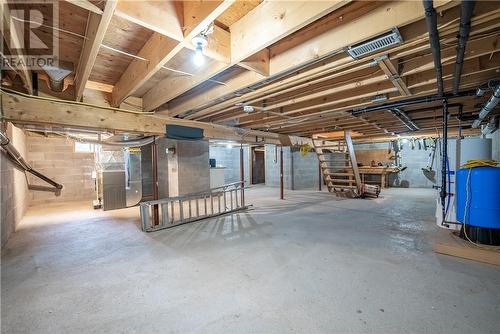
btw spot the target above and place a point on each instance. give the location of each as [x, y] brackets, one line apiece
[40, 111]
[286, 62]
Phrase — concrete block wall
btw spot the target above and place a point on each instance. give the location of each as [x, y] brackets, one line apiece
[56, 158]
[305, 170]
[413, 159]
[272, 166]
[14, 199]
[230, 159]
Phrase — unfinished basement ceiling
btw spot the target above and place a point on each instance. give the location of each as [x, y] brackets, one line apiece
[293, 72]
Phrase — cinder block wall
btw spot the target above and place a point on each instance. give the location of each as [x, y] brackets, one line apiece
[413, 159]
[273, 167]
[230, 158]
[305, 170]
[14, 189]
[56, 158]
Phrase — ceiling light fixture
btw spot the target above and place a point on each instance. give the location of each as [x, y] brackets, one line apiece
[199, 42]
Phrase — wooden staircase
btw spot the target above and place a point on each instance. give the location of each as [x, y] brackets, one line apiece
[339, 166]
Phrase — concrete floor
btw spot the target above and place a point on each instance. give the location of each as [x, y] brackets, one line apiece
[309, 264]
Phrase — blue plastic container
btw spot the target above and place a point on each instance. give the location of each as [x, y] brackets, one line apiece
[483, 208]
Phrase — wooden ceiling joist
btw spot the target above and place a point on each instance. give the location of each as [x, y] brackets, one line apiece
[163, 17]
[248, 37]
[13, 35]
[285, 59]
[380, 20]
[159, 49]
[97, 26]
[392, 74]
[85, 4]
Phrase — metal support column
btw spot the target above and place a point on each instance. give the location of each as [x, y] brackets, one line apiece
[242, 176]
[320, 177]
[282, 195]
[154, 158]
[444, 160]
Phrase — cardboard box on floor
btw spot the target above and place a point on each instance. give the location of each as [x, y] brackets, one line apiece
[449, 243]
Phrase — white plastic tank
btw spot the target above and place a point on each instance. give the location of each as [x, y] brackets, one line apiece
[471, 148]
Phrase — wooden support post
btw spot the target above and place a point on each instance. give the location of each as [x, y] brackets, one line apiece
[154, 158]
[282, 195]
[242, 176]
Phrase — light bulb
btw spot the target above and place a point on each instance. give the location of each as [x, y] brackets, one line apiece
[229, 146]
[199, 58]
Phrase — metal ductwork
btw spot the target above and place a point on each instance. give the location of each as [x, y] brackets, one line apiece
[17, 158]
[488, 107]
[491, 127]
[56, 75]
[123, 143]
[431, 20]
[467, 10]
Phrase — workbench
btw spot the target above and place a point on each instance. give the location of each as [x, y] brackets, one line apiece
[382, 171]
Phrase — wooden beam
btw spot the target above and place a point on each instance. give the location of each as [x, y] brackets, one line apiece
[324, 39]
[85, 4]
[96, 29]
[21, 108]
[14, 39]
[258, 62]
[159, 49]
[264, 25]
[393, 75]
[163, 17]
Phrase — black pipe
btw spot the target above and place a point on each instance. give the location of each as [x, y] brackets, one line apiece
[431, 20]
[46, 179]
[463, 35]
[411, 101]
[444, 160]
[16, 157]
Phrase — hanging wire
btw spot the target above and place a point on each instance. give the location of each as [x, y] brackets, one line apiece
[128, 54]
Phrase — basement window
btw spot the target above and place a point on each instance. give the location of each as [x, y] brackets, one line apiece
[84, 147]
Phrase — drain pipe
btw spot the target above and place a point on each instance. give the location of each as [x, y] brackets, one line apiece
[411, 101]
[431, 20]
[488, 107]
[15, 156]
[463, 35]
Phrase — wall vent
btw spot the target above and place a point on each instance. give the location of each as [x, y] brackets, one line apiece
[375, 44]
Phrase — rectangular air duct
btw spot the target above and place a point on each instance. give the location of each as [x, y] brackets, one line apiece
[375, 44]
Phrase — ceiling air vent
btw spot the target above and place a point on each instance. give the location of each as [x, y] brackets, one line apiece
[375, 44]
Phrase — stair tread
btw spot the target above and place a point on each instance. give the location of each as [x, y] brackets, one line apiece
[341, 181]
[344, 187]
[339, 174]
